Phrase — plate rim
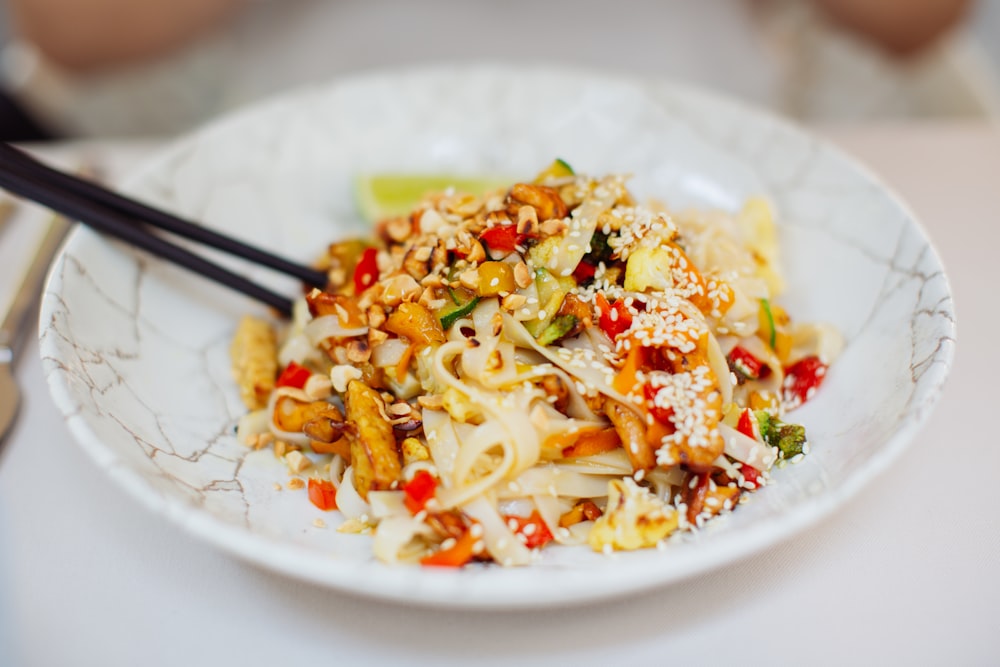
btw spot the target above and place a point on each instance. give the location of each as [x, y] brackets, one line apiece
[272, 554]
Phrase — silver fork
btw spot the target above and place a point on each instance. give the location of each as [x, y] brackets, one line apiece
[13, 324]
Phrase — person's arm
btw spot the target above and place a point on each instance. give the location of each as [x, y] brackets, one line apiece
[91, 34]
[900, 26]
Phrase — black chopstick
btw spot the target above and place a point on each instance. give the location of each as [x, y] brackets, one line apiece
[126, 219]
[168, 222]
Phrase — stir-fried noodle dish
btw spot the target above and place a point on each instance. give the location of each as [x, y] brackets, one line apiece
[551, 363]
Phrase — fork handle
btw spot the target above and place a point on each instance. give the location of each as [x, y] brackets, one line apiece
[27, 294]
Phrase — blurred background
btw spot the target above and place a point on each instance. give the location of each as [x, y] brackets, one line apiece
[151, 68]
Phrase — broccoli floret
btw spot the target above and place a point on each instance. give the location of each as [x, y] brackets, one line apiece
[790, 439]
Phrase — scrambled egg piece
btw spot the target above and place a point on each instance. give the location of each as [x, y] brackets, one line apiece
[461, 407]
[634, 519]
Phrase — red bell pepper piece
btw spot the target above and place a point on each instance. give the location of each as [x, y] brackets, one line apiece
[418, 491]
[322, 494]
[502, 238]
[659, 413]
[613, 318]
[748, 426]
[532, 529]
[584, 271]
[293, 375]
[366, 271]
[750, 475]
[802, 379]
[463, 551]
[747, 365]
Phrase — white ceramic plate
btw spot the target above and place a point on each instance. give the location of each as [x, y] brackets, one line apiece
[136, 351]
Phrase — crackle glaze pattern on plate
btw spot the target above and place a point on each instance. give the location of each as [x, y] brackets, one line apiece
[135, 351]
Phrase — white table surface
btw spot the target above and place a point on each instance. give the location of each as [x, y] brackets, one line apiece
[906, 573]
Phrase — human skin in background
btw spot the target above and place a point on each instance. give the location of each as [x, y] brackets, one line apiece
[91, 35]
[899, 26]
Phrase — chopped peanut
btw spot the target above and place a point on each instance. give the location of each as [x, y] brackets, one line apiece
[522, 275]
[399, 289]
[297, 461]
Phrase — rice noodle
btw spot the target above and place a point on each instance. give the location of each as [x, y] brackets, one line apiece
[507, 423]
[325, 327]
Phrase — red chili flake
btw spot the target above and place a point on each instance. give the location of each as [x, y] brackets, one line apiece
[802, 379]
[366, 272]
[293, 376]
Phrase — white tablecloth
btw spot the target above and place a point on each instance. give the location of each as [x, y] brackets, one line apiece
[906, 573]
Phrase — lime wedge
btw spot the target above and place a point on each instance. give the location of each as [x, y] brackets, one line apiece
[558, 169]
[757, 221]
[384, 195]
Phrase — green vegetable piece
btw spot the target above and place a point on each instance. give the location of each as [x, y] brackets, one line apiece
[770, 321]
[600, 249]
[453, 312]
[563, 167]
[551, 292]
[790, 439]
[764, 422]
[558, 169]
[384, 195]
[560, 326]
